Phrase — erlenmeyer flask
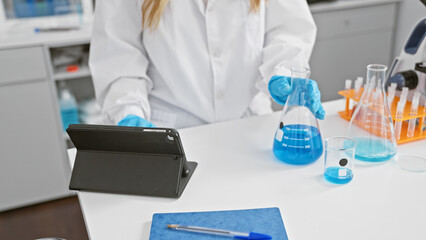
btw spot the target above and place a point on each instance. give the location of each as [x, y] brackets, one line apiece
[371, 124]
[298, 139]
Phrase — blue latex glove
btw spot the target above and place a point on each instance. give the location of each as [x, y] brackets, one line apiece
[135, 121]
[280, 88]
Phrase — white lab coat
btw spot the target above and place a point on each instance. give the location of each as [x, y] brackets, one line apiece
[202, 64]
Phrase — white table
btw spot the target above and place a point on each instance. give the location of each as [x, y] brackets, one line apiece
[236, 162]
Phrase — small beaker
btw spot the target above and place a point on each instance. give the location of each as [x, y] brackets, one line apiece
[339, 159]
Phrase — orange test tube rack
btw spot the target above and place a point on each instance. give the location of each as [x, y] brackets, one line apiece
[419, 132]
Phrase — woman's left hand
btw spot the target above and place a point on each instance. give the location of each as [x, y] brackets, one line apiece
[280, 88]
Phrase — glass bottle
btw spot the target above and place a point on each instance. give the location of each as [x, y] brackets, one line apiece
[298, 139]
[371, 124]
[68, 106]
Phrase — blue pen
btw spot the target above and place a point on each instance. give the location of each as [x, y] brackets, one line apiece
[237, 235]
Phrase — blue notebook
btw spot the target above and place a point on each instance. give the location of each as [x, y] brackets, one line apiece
[262, 220]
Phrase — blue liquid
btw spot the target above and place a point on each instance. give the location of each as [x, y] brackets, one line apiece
[300, 144]
[332, 175]
[69, 116]
[374, 150]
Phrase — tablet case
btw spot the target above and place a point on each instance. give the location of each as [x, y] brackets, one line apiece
[129, 160]
[262, 220]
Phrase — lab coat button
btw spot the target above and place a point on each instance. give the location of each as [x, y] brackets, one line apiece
[219, 95]
[216, 54]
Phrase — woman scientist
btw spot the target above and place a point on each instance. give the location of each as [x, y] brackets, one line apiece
[180, 63]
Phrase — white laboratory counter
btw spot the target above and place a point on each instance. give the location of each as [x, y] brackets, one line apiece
[347, 4]
[237, 170]
[25, 37]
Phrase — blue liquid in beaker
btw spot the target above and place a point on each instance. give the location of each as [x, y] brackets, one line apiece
[338, 175]
[300, 144]
[374, 150]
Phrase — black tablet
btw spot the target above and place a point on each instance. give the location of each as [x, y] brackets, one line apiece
[129, 160]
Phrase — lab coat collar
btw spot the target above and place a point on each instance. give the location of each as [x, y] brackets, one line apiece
[210, 3]
[201, 6]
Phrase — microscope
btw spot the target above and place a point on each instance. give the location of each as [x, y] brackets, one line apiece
[409, 69]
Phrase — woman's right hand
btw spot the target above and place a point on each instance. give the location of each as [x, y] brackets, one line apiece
[135, 121]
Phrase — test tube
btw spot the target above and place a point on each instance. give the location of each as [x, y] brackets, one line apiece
[399, 116]
[348, 85]
[360, 80]
[413, 112]
[404, 93]
[400, 112]
[357, 88]
[358, 84]
[391, 93]
[373, 82]
[423, 120]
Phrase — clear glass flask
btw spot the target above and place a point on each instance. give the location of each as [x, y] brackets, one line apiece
[371, 124]
[298, 139]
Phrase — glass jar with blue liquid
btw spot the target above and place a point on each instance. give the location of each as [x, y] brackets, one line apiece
[298, 139]
[339, 159]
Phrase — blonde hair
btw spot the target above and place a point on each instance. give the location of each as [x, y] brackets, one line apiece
[153, 9]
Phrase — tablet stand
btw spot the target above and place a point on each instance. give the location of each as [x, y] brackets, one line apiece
[129, 160]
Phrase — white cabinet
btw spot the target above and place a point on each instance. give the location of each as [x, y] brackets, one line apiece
[33, 162]
[34, 165]
[350, 36]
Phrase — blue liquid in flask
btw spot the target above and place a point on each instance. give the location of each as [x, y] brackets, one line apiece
[374, 150]
[338, 175]
[300, 144]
